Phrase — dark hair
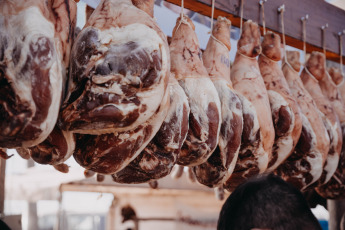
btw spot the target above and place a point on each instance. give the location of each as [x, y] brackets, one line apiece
[266, 202]
[3, 225]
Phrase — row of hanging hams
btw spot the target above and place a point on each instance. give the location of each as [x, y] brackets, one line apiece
[125, 103]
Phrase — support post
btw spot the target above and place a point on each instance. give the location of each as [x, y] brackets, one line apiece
[112, 214]
[2, 185]
[336, 210]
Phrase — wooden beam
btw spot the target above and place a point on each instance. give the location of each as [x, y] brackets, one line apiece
[320, 13]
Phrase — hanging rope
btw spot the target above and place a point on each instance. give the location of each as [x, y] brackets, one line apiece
[239, 52]
[262, 2]
[324, 38]
[262, 54]
[182, 8]
[310, 74]
[288, 64]
[281, 10]
[183, 20]
[341, 53]
[212, 15]
[241, 17]
[211, 32]
[304, 20]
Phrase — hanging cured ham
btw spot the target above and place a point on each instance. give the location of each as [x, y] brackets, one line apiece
[134, 75]
[313, 72]
[159, 156]
[258, 130]
[305, 165]
[334, 188]
[338, 79]
[55, 150]
[205, 108]
[120, 70]
[220, 165]
[109, 153]
[286, 113]
[332, 92]
[35, 41]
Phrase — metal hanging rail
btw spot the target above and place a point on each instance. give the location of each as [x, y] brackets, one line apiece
[319, 11]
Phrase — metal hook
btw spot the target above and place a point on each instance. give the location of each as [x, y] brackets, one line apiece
[324, 27]
[281, 8]
[262, 2]
[341, 33]
[305, 18]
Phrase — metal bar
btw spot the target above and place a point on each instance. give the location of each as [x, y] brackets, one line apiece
[2, 185]
[320, 13]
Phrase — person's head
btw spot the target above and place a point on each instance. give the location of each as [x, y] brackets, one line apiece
[266, 202]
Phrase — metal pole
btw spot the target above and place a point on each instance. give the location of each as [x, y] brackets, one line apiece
[2, 185]
[336, 209]
[112, 214]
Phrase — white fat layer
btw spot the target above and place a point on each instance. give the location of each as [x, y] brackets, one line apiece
[149, 40]
[22, 29]
[314, 158]
[155, 121]
[53, 112]
[285, 143]
[261, 156]
[332, 160]
[69, 137]
[316, 164]
[324, 118]
[225, 95]
[276, 100]
[331, 166]
[177, 102]
[200, 92]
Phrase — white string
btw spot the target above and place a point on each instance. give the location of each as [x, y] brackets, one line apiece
[323, 43]
[241, 17]
[281, 10]
[262, 54]
[212, 15]
[238, 51]
[341, 54]
[288, 64]
[304, 40]
[219, 42]
[183, 20]
[262, 2]
[337, 179]
[182, 8]
[324, 39]
[308, 72]
[213, 37]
